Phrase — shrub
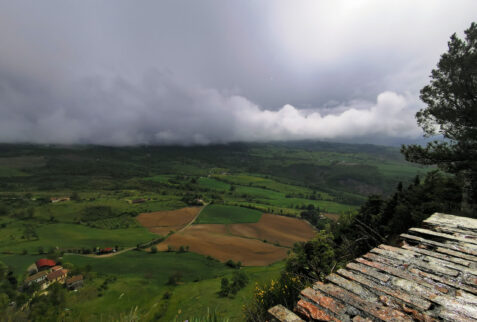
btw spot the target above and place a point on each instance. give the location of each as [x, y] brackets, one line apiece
[283, 291]
[233, 264]
[174, 279]
[154, 249]
[224, 287]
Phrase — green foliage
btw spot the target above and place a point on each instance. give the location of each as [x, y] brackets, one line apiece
[239, 281]
[313, 216]
[283, 291]
[230, 263]
[313, 260]
[48, 307]
[92, 213]
[119, 222]
[174, 278]
[191, 199]
[153, 249]
[224, 287]
[75, 196]
[381, 219]
[308, 262]
[451, 111]
[209, 317]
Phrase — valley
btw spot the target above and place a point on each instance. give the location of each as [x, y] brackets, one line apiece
[177, 219]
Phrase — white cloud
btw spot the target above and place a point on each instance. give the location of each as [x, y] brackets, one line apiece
[161, 110]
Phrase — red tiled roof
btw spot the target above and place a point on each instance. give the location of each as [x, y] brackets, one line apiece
[74, 279]
[44, 262]
[56, 274]
[108, 249]
[35, 276]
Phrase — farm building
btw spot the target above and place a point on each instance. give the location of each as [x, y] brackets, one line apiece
[44, 263]
[106, 250]
[74, 282]
[59, 199]
[57, 276]
[39, 278]
[139, 201]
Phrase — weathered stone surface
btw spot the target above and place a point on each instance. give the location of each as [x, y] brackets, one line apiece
[368, 271]
[449, 245]
[282, 314]
[453, 221]
[466, 242]
[399, 272]
[438, 255]
[413, 300]
[456, 254]
[430, 259]
[353, 287]
[313, 312]
[373, 309]
[434, 277]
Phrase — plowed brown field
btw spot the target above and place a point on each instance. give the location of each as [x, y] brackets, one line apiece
[207, 240]
[162, 222]
[243, 242]
[275, 229]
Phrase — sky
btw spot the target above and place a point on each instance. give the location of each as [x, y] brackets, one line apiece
[117, 72]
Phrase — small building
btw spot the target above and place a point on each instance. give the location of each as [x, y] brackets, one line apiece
[75, 282]
[39, 278]
[57, 276]
[56, 268]
[139, 201]
[106, 250]
[44, 264]
[59, 199]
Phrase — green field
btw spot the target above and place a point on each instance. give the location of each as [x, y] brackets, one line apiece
[19, 263]
[220, 214]
[141, 281]
[210, 183]
[155, 267]
[66, 236]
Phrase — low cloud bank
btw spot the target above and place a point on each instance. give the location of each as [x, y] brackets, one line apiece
[162, 110]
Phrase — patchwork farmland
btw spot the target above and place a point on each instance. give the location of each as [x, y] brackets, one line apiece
[70, 203]
[247, 236]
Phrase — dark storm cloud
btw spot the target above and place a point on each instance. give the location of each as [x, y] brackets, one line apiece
[123, 72]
